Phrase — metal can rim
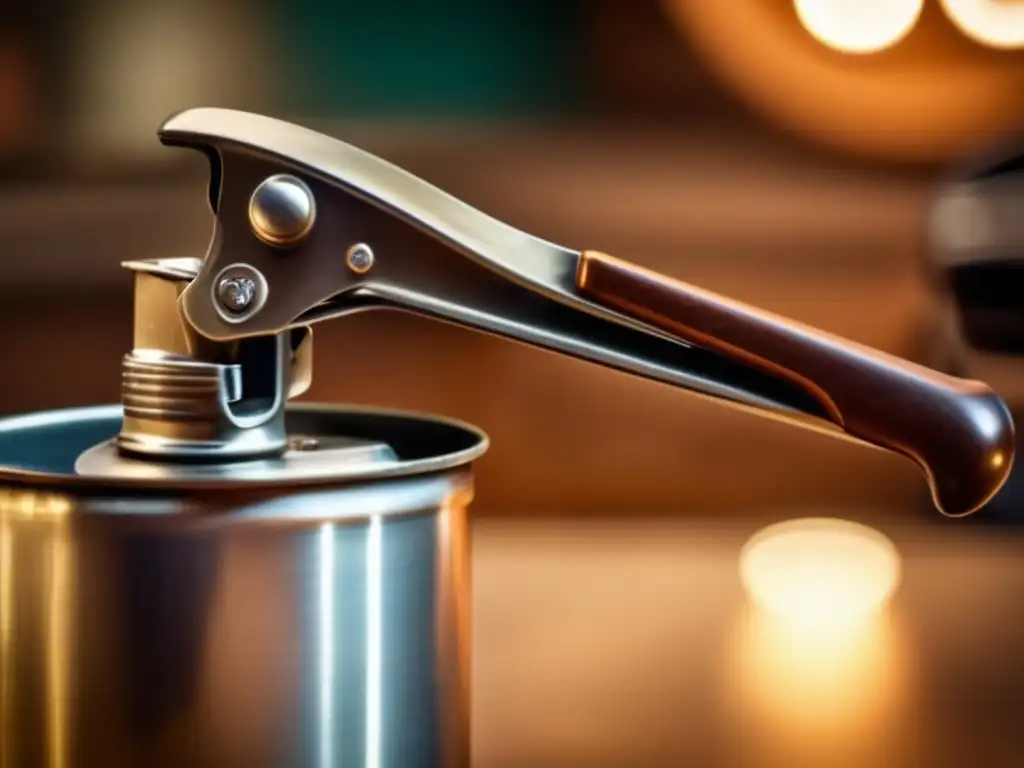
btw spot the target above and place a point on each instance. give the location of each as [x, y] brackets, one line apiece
[460, 444]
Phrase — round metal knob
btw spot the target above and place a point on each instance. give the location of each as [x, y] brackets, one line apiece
[282, 210]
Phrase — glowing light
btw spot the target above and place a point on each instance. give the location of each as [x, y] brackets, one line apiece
[834, 691]
[995, 23]
[820, 575]
[859, 26]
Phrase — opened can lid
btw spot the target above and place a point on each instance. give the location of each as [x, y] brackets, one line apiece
[329, 445]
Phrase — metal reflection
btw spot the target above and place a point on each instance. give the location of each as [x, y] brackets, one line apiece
[330, 682]
[326, 641]
[35, 556]
[224, 644]
[6, 635]
[374, 542]
[58, 625]
[453, 618]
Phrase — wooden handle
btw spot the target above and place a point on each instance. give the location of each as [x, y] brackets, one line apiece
[958, 431]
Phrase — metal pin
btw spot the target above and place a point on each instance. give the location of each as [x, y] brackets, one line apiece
[359, 258]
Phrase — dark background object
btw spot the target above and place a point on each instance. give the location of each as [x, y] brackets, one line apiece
[450, 59]
[977, 240]
[978, 232]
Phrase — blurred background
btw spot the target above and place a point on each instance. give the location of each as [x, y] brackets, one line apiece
[778, 152]
[822, 159]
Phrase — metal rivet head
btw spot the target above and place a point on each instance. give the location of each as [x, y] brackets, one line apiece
[282, 210]
[359, 258]
[239, 292]
[236, 293]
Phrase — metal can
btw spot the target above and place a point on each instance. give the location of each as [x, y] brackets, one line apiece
[280, 622]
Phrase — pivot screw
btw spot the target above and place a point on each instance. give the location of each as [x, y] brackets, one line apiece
[282, 210]
[359, 258]
[236, 293]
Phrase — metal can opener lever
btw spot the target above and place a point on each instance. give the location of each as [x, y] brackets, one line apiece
[309, 228]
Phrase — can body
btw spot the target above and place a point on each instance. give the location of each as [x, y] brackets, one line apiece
[308, 626]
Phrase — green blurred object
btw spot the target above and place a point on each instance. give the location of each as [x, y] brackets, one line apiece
[445, 59]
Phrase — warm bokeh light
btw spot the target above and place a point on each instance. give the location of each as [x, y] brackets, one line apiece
[808, 697]
[995, 23]
[820, 575]
[931, 97]
[864, 26]
[818, 663]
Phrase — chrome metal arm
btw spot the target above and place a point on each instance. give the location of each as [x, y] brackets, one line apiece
[309, 228]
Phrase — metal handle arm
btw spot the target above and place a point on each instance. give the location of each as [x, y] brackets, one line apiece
[309, 228]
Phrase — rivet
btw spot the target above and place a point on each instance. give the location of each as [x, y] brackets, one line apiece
[359, 258]
[282, 210]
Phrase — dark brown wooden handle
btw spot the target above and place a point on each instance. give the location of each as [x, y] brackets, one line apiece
[958, 431]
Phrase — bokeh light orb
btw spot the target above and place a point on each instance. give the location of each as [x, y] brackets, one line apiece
[993, 23]
[861, 26]
[820, 574]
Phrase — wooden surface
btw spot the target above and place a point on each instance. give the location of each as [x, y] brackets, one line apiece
[629, 643]
[838, 248]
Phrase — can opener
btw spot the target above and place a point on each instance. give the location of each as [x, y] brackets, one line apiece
[308, 228]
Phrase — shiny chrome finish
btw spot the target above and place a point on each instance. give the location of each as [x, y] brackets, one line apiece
[307, 622]
[325, 444]
[236, 294]
[185, 396]
[449, 261]
[359, 258]
[454, 263]
[282, 210]
[241, 291]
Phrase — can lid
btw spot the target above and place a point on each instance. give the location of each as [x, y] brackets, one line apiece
[328, 445]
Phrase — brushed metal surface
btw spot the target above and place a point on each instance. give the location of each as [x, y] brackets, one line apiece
[230, 630]
[279, 617]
